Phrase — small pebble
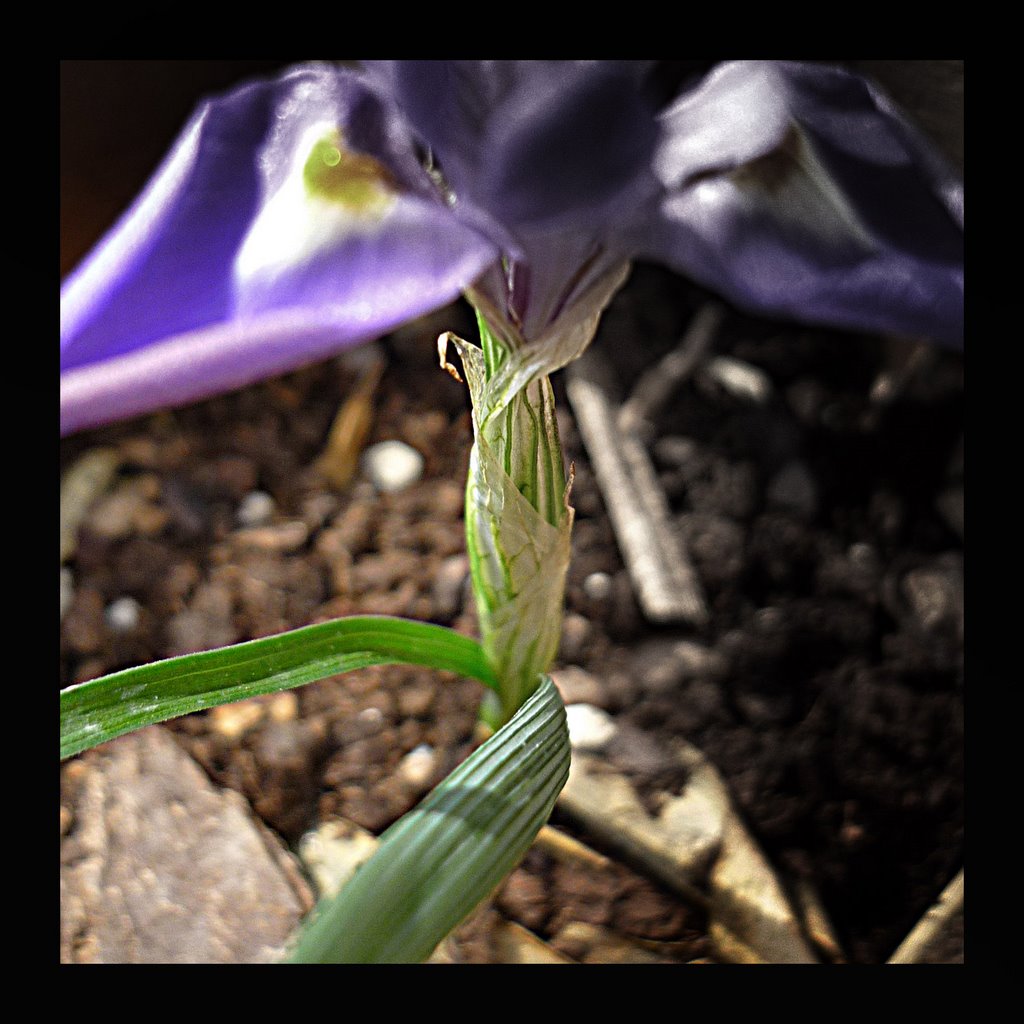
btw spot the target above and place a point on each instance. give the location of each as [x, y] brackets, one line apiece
[256, 509]
[575, 634]
[283, 537]
[392, 466]
[597, 586]
[67, 590]
[590, 728]
[122, 615]
[578, 686]
[333, 852]
[234, 720]
[936, 595]
[450, 586]
[372, 715]
[417, 766]
[284, 706]
[740, 378]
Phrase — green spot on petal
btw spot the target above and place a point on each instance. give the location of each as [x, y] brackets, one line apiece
[352, 180]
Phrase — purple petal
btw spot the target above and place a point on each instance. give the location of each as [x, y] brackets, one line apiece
[536, 143]
[796, 191]
[212, 280]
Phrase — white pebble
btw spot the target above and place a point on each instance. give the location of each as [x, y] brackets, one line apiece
[392, 465]
[597, 586]
[740, 378]
[122, 615]
[418, 765]
[256, 509]
[590, 728]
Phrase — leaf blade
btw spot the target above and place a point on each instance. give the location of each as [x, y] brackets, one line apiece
[102, 709]
[439, 861]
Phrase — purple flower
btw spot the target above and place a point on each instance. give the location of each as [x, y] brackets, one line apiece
[296, 216]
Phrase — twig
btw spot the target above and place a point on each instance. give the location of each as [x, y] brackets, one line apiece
[664, 580]
[938, 923]
[656, 384]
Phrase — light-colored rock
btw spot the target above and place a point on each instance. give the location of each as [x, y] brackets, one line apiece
[739, 378]
[392, 466]
[935, 594]
[590, 728]
[449, 587]
[576, 631]
[577, 686]
[280, 537]
[234, 720]
[158, 866]
[122, 615]
[598, 586]
[256, 509]
[417, 767]
[332, 853]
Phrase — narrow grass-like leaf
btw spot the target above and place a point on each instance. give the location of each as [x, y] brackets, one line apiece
[101, 709]
[443, 858]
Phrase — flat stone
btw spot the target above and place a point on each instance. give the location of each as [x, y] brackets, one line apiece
[590, 728]
[158, 866]
[577, 686]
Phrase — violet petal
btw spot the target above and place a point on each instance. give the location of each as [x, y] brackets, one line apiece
[792, 190]
[212, 280]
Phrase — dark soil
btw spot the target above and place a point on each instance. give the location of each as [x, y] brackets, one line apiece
[823, 527]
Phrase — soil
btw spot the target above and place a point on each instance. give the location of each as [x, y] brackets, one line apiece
[824, 525]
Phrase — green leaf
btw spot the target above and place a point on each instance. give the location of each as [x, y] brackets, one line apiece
[439, 861]
[101, 709]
